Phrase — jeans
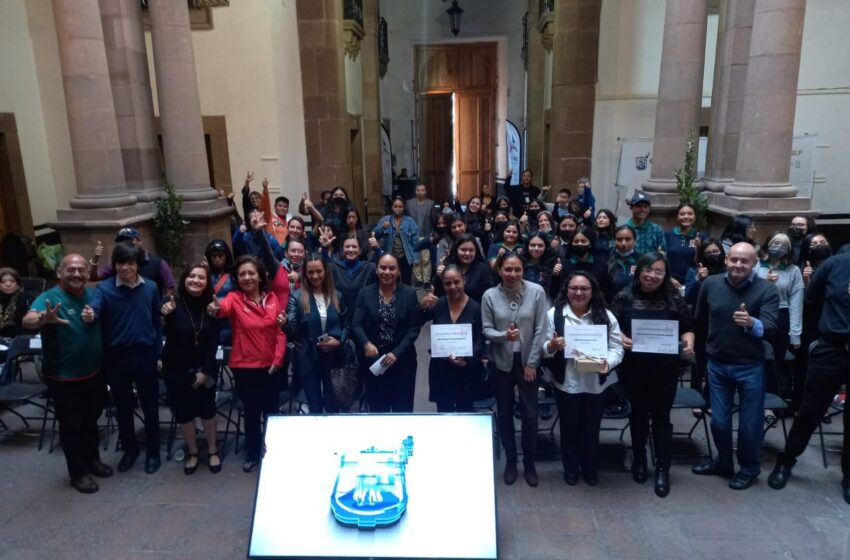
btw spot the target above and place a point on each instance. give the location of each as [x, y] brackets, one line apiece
[724, 380]
[505, 381]
[829, 368]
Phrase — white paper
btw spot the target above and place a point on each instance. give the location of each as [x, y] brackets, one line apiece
[3, 347]
[377, 369]
[655, 336]
[35, 343]
[451, 340]
[219, 354]
[590, 340]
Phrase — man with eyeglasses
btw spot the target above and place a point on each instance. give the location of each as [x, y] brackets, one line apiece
[739, 311]
[71, 356]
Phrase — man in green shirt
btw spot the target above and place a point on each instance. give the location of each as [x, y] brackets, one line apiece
[71, 352]
[649, 236]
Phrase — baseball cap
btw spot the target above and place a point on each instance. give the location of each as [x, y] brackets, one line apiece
[639, 197]
[127, 233]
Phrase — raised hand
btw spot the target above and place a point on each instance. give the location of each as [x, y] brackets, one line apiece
[213, 309]
[741, 317]
[558, 268]
[429, 300]
[265, 184]
[98, 250]
[373, 241]
[772, 275]
[50, 315]
[88, 314]
[807, 272]
[557, 343]
[248, 178]
[168, 307]
[587, 214]
[702, 272]
[258, 221]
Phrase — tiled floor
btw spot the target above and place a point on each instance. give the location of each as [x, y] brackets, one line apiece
[205, 516]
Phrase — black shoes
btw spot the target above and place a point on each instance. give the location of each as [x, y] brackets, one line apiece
[712, 469]
[845, 487]
[530, 473]
[639, 471]
[217, 467]
[591, 479]
[662, 481]
[152, 463]
[511, 474]
[571, 477]
[85, 484]
[251, 465]
[779, 477]
[127, 461]
[100, 470]
[742, 481]
[190, 469]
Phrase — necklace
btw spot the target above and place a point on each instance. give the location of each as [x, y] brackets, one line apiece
[195, 331]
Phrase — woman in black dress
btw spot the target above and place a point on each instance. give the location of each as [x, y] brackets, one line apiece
[188, 362]
[454, 382]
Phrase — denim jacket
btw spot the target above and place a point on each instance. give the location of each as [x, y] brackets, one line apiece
[409, 236]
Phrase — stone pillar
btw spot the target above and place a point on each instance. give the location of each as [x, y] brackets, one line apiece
[320, 38]
[371, 123]
[124, 37]
[680, 89]
[767, 126]
[535, 110]
[95, 145]
[727, 104]
[184, 148]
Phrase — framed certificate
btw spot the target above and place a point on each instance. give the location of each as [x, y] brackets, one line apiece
[451, 340]
[655, 336]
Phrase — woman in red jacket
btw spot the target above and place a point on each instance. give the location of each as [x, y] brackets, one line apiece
[256, 317]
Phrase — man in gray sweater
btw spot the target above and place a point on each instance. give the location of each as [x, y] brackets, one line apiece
[739, 311]
[421, 209]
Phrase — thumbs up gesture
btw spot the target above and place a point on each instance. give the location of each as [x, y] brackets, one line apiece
[702, 272]
[556, 343]
[807, 272]
[558, 268]
[98, 250]
[373, 241]
[88, 314]
[168, 307]
[772, 275]
[213, 309]
[742, 317]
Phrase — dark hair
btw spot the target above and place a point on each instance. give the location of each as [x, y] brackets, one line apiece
[451, 258]
[356, 213]
[328, 290]
[574, 206]
[338, 188]
[298, 219]
[500, 231]
[471, 198]
[811, 224]
[398, 198]
[500, 260]
[588, 232]
[384, 256]
[805, 248]
[324, 192]
[736, 231]
[527, 170]
[685, 205]
[547, 250]
[645, 261]
[452, 219]
[623, 227]
[258, 265]
[612, 219]
[300, 240]
[717, 243]
[207, 295]
[281, 199]
[9, 271]
[565, 190]
[566, 217]
[126, 252]
[453, 268]
[598, 309]
[219, 246]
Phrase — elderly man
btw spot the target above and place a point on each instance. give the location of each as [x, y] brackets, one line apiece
[829, 368]
[71, 365]
[739, 311]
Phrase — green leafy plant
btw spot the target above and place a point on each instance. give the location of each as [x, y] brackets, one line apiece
[685, 179]
[170, 225]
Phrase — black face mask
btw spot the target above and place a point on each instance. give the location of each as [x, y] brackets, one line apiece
[820, 253]
[580, 250]
[441, 230]
[796, 234]
[339, 200]
[565, 235]
[532, 215]
[712, 261]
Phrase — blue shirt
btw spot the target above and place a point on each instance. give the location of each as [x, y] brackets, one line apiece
[129, 316]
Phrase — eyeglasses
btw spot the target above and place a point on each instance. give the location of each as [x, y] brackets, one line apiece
[579, 289]
[654, 272]
[798, 226]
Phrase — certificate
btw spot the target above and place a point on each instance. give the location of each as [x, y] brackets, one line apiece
[589, 340]
[451, 340]
[655, 336]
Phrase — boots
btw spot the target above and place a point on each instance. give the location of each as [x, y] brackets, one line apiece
[662, 481]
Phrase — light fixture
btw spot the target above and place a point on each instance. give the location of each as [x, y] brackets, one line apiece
[455, 14]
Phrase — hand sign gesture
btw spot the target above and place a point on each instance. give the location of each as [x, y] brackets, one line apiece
[168, 307]
[98, 250]
[772, 275]
[213, 308]
[50, 315]
[702, 272]
[557, 343]
[265, 184]
[87, 315]
[742, 317]
[807, 272]
[249, 177]
[258, 221]
[558, 268]
[373, 241]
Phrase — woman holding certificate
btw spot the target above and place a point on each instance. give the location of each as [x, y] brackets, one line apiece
[513, 315]
[455, 380]
[583, 342]
[385, 327]
[654, 319]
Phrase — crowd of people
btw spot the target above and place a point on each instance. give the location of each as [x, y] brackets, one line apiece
[335, 297]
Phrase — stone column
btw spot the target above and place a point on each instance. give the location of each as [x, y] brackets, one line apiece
[371, 77]
[730, 79]
[131, 89]
[95, 145]
[679, 90]
[184, 148]
[327, 132]
[574, 76]
[535, 110]
[767, 125]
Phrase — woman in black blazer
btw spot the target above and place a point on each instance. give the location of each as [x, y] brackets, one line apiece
[315, 323]
[386, 324]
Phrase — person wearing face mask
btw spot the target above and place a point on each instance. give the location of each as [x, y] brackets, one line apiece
[528, 221]
[332, 215]
[621, 263]
[800, 228]
[579, 256]
[775, 266]
[711, 259]
[466, 255]
[566, 228]
[398, 236]
[503, 204]
[682, 244]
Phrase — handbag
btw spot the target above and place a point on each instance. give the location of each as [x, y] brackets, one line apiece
[344, 382]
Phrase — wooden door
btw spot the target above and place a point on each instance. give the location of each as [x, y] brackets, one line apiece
[436, 144]
[475, 140]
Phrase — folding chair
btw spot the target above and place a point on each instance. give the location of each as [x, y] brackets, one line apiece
[14, 394]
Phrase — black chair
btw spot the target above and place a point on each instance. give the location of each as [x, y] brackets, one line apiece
[17, 393]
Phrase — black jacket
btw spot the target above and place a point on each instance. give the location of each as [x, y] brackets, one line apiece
[364, 327]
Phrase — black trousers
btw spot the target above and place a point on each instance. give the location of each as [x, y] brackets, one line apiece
[78, 405]
[651, 393]
[504, 382]
[777, 383]
[829, 368]
[260, 395]
[393, 391]
[312, 369]
[125, 367]
[580, 419]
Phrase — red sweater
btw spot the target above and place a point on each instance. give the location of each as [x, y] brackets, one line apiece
[258, 341]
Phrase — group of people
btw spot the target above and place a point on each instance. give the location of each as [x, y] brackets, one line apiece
[520, 271]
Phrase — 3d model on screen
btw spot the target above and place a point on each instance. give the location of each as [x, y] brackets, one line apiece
[371, 487]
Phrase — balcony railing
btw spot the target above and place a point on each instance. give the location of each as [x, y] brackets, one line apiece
[353, 10]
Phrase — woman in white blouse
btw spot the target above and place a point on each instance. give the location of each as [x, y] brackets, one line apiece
[579, 394]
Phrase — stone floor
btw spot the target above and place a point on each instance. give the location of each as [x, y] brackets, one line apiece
[205, 516]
